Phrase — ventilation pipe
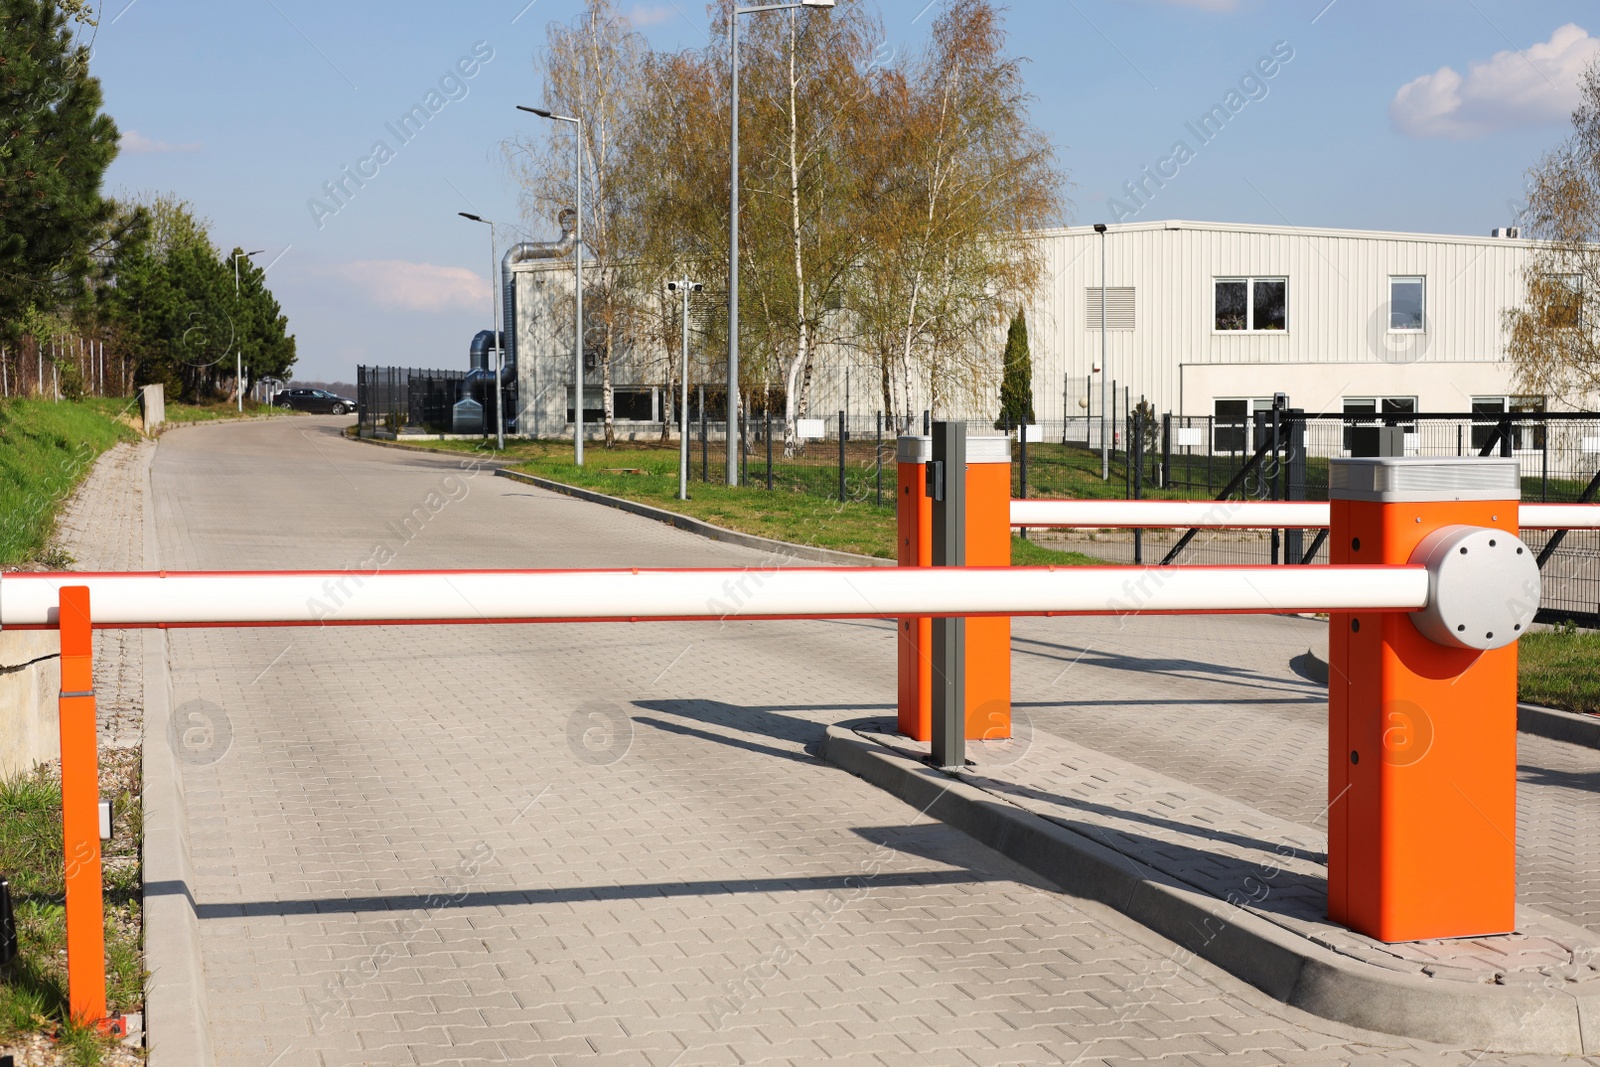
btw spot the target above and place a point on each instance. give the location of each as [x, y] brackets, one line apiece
[521, 253]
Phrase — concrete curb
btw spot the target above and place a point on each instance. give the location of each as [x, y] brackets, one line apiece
[1558, 725]
[448, 452]
[1551, 723]
[1288, 968]
[177, 1027]
[704, 529]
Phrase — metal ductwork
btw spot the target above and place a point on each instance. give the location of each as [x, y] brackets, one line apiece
[521, 253]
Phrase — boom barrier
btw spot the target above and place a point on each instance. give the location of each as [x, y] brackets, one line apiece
[1428, 586]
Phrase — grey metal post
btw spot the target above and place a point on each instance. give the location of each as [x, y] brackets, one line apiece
[705, 467]
[577, 343]
[499, 350]
[733, 239]
[841, 457]
[948, 472]
[769, 445]
[1105, 370]
[683, 443]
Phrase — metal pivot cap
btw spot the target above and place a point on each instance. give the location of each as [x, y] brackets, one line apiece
[1483, 587]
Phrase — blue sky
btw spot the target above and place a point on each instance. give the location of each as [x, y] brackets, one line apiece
[1414, 115]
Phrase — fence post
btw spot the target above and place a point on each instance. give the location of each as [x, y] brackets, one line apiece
[769, 449]
[1136, 462]
[704, 457]
[841, 457]
[744, 443]
[1166, 451]
[1294, 546]
[1022, 449]
[1276, 480]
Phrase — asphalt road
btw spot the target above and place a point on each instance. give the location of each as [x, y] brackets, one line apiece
[609, 844]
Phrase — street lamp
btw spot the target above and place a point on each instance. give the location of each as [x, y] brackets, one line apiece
[238, 357]
[577, 259]
[1105, 377]
[733, 229]
[494, 337]
[686, 287]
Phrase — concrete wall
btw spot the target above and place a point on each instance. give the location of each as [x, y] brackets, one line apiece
[30, 685]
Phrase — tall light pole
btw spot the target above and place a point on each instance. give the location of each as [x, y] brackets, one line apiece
[494, 337]
[1105, 376]
[577, 259]
[685, 286]
[238, 357]
[733, 229]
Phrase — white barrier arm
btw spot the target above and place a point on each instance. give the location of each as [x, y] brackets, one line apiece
[1216, 514]
[346, 598]
[1244, 514]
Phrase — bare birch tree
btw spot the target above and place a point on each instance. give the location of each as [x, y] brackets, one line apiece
[1552, 338]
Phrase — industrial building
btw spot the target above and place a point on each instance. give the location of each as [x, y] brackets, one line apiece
[1202, 319]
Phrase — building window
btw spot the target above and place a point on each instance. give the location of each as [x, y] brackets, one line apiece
[1564, 302]
[1406, 304]
[1252, 304]
[1392, 409]
[1230, 426]
[633, 403]
[1525, 437]
[1119, 307]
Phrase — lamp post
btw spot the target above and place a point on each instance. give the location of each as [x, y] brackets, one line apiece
[733, 228]
[238, 357]
[1105, 376]
[577, 259]
[685, 286]
[494, 338]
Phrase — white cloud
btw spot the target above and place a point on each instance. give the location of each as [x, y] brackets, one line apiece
[651, 14]
[136, 143]
[398, 283]
[1509, 89]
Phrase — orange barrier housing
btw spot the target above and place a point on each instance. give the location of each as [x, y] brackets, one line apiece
[1422, 742]
[988, 640]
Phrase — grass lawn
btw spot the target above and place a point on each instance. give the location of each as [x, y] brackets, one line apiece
[33, 987]
[1560, 669]
[46, 449]
[177, 411]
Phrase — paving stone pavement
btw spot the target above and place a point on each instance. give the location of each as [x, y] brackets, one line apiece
[1150, 690]
[1271, 867]
[102, 529]
[609, 844]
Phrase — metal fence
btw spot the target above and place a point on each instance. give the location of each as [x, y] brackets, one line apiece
[1285, 455]
[396, 400]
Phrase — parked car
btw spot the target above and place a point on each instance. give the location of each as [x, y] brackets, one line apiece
[317, 401]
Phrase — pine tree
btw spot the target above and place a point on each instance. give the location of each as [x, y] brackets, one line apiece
[55, 146]
[1016, 386]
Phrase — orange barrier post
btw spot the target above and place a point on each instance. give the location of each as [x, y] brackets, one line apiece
[914, 513]
[988, 670]
[80, 816]
[1422, 756]
[988, 641]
